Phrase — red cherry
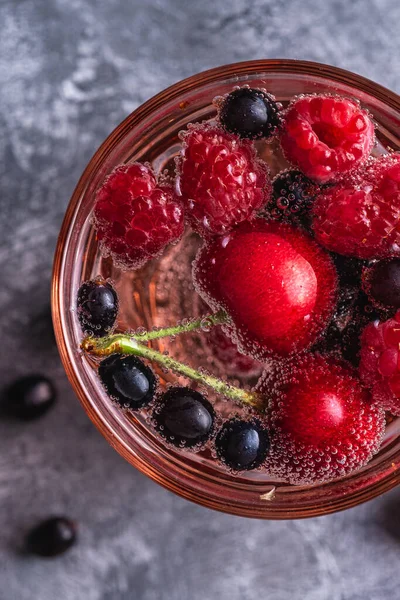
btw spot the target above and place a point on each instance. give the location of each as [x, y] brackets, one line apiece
[322, 423]
[275, 283]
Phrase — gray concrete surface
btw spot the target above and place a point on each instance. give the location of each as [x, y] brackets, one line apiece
[70, 70]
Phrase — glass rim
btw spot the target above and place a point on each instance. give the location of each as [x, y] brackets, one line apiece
[362, 84]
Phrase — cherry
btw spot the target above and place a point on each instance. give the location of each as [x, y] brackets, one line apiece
[275, 283]
[322, 422]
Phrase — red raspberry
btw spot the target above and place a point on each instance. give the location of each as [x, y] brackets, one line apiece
[362, 218]
[221, 180]
[135, 218]
[326, 136]
[384, 169]
[276, 284]
[322, 422]
[380, 362]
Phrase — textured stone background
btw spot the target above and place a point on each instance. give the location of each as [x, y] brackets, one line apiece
[70, 71]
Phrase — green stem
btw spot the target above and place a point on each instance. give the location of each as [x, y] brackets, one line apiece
[218, 318]
[125, 344]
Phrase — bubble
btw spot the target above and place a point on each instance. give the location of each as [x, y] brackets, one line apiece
[197, 347]
[316, 457]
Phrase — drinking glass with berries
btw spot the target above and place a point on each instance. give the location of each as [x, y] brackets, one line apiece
[227, 289]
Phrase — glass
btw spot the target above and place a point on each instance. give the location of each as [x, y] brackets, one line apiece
[151, 134]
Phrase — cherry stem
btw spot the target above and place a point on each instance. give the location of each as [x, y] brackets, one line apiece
[126, 344]
[204, 323]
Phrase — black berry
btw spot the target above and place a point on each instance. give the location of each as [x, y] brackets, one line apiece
[250, 113]
[242, 445]
[350, 344]
[383, 282]
[97, 307]
[292, 198]
[128, 380]
[342, 317]
[354, 310]
[353, 313]
[29, 397]
[51, 537]
[349, 269]
[184, 417]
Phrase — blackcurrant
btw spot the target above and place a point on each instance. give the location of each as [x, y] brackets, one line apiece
[97, 307]
[383, 282]
[242, 445]
[250, 113]
[29, 397]
[184, 417]
[51, 537]
[128, 380]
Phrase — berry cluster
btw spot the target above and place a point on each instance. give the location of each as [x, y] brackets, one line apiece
[182, 416]
[298, 266]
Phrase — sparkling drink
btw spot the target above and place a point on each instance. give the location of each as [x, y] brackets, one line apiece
[162, 293]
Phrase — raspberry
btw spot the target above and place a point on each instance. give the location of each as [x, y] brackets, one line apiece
[326, 136]
[380, 362]
[385, 167]
[362, 218]
[276, 284]
[135, 218]
[321, 421]
[221, 180]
